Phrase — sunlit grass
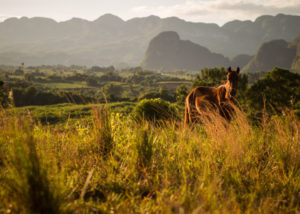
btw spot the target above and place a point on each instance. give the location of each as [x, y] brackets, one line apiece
[114, 164]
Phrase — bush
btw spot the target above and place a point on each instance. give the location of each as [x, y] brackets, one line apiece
[154, 110]
[277, 90]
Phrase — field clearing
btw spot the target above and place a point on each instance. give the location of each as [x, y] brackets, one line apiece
[66, 85]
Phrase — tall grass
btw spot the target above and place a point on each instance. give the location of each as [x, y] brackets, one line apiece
[26, 180]
[113, 164]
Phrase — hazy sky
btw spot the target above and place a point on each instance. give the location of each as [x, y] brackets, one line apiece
[217, 11]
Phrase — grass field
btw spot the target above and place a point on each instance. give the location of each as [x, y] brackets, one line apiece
[58, 113]
[65, 85]
[112, 164]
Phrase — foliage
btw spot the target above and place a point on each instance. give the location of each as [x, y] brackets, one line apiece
[110, 76]
[279, 89]
[181, 93]
[154, 110]
[113, 89]
[210, 77]
[101, 69]
[162, 93]
[32, 96]
[4, 101]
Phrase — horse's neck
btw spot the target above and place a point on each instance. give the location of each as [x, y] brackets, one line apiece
[226, 85]
[225, 90]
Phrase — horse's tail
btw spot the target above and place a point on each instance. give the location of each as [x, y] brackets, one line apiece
[187, 110]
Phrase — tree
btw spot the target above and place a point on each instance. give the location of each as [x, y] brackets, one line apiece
[92, 81]
[181, 93]
[4, 100]
[277, 90]
[112, 89]
[210, 77]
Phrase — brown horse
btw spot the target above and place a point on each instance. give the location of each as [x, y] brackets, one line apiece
[203, 100]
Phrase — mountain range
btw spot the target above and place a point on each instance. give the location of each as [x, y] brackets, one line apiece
[277, 53]
[110, 40]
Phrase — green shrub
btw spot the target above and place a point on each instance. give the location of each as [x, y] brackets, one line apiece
[154, 110]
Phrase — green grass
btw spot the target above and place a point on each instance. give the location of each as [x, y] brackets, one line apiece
[65, 85]
[214, 167]
[58, 113]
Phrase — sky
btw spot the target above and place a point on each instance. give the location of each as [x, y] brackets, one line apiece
[210, 11]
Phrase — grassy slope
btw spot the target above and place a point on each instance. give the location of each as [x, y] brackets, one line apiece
[115, 165]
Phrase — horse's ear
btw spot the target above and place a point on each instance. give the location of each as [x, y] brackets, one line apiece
[238, 70]
[229, 69]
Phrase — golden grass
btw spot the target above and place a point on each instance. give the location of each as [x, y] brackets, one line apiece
[113, 164]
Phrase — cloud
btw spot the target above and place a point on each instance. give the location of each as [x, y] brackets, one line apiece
[221, 11]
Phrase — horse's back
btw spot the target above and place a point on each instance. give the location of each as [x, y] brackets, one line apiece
[203, 92]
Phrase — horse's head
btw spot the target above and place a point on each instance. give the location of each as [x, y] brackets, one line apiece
[232, 82]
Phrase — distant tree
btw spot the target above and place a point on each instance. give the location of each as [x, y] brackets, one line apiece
[102, 69]
[29, 77]
[92, 81]
[210, 77]
[19, 71]
[113, 89]
[4, 101]
[110, 76]
[181, 93]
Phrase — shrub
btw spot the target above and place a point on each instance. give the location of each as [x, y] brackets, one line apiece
[154, 110]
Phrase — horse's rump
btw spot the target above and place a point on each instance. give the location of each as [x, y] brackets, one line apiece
[200, 102]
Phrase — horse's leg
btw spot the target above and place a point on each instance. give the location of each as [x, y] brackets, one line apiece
[202, 107]
[226, 110]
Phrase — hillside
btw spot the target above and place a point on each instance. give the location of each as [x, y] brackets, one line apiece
[270, 54]
[111, 40]
[168, 51]
[240, 60]
[276, 53]
[296, 61]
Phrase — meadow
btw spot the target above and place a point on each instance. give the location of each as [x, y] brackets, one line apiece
[86, 140]
[110, 163]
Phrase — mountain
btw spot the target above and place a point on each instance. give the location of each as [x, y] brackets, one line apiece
[276, 53]
[111, 40]
[240, 60]
[167, 51]
[296, 61]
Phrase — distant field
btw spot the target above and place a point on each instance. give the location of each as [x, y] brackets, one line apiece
[66, 85]
[61, 112]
